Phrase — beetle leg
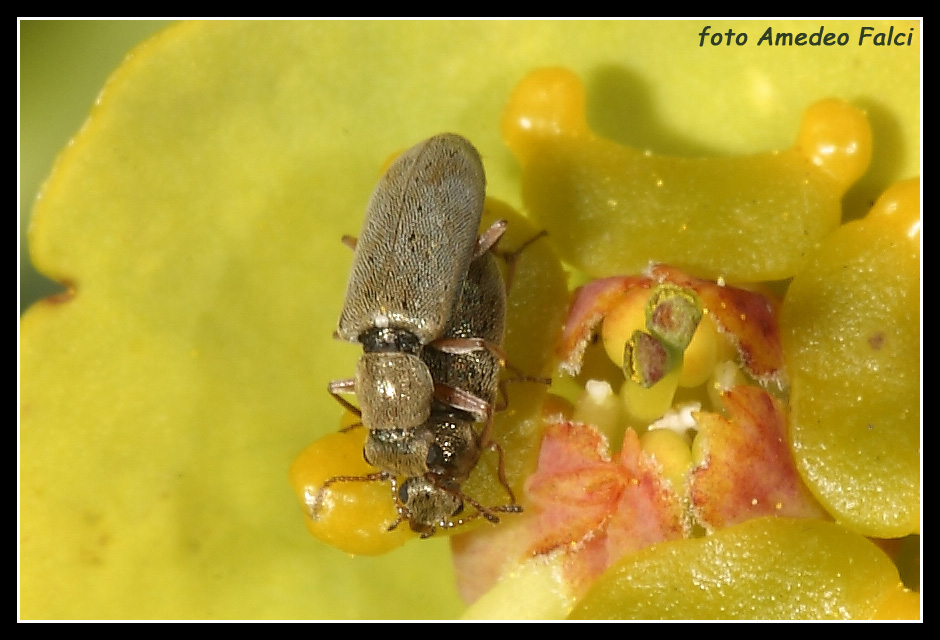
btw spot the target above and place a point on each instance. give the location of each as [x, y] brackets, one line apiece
[488, 239]
[348, 385]
[483, 512]
[463, 400]
[460, 346]
[501, 469]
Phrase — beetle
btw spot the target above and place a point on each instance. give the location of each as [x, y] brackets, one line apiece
[426, 301]
[437, 457]
[436, 497]
[410, 261]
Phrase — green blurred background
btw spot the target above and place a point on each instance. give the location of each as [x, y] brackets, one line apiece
[63, 66]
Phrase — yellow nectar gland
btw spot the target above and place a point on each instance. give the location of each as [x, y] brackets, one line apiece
[353, 516]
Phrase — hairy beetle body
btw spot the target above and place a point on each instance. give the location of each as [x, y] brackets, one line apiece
[410, 262]
[426, 300]
[435, 497]
[417, 241]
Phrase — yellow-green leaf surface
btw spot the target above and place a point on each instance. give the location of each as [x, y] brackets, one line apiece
[852, 342]
[197, 218]
[767, 568]
[63, 64]
[622, 208]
